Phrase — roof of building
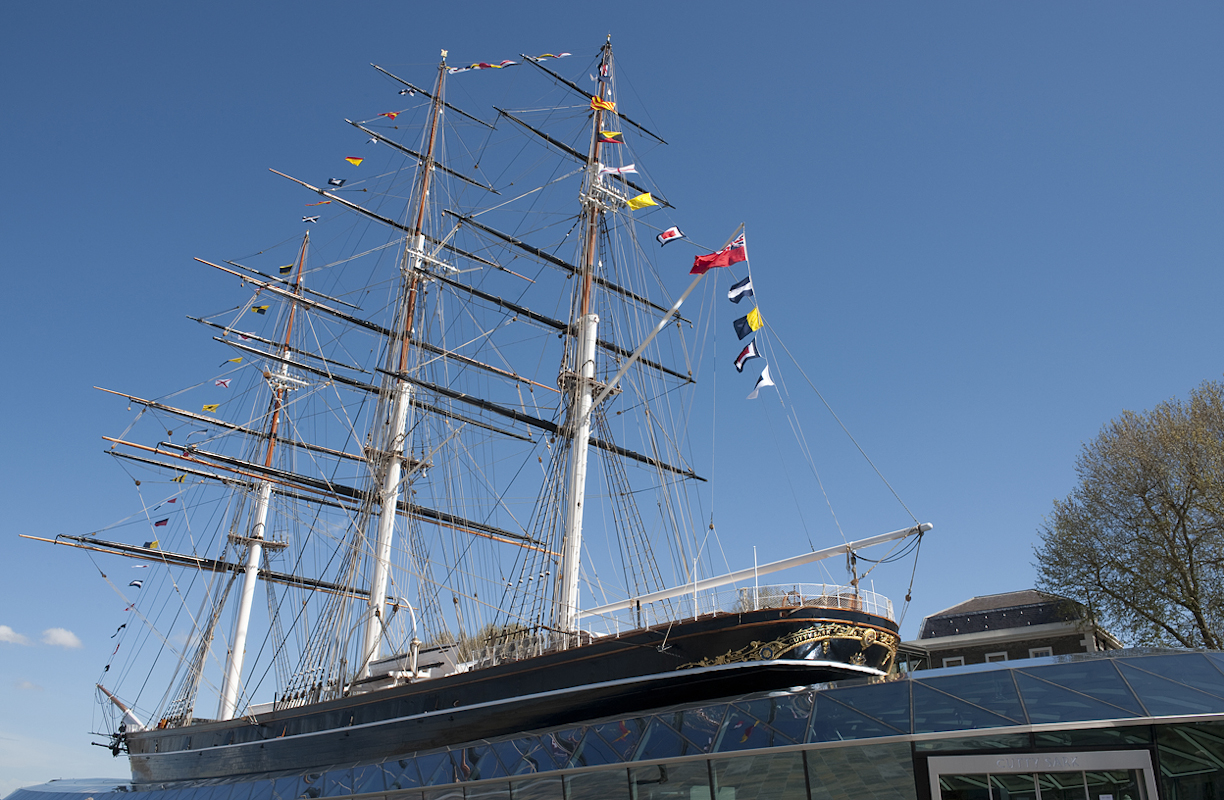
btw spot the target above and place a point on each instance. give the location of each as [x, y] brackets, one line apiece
[994, 611]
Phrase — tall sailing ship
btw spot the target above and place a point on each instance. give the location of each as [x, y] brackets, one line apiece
[453, 463]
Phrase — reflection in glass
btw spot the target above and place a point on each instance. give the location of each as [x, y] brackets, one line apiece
[687, 781]
[487, 791]
[609, 784]
[543, 788]
[1062, 785]
[1011, 741]
[1190, 756]
[964, 787]
[1015, 787]
[765, 777]
[871, 771]
[1116, 784]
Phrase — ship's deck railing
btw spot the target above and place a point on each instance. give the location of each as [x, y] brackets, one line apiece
[713, 602]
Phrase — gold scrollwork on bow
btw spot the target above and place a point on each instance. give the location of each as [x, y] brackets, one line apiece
[821, 633]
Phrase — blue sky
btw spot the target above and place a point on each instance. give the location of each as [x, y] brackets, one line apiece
[983, 230]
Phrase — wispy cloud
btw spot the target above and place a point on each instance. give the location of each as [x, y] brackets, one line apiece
[60, 637]
[11, 636]
[26, 686]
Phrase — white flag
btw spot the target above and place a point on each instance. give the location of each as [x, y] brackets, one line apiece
[764, 380]
[625, 170]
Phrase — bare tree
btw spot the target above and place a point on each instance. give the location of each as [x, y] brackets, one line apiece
[1140, 540]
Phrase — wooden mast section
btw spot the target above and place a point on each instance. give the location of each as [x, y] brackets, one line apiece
[582, 374]
[393, 446]
[232, 682]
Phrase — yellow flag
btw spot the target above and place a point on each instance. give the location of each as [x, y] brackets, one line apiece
[602, 105]
[178, 479]
[354, 160]
[212, 407]
[237, 360]
[754, 319]
[260, 309]
[641, 201]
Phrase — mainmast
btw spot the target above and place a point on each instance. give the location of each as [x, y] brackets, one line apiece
[256, 540]
[581, 378]
[390, 460]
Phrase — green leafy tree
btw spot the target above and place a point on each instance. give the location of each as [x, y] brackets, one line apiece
[1140, 540]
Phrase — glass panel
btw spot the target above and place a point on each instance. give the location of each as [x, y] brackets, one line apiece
[487, 791]
[512, 755]
[435, 769]
[402, 774]
[993, 690]
[1166, 698]
[660, 741]
[1098, 679]
[700, 726]
[833, 722]
[544, 788]
[413, 795]
[1061, 785]
[1135, 734]
[1190, 760]
[563, 745]
[964, 787]
[542, 755]
[454, 792]
[607, 784]
[889, 702]
[621, 738]
[1192, 669]
[937, 711]
[1015, 787]
[338, 782]
[862, 773]
[761, 777]
[1118, 784]
[285, 788]
[787, 718]
[484, 764]
[1009, 741]
[370, 778]
[1046, 702]
[594, 751]
[687, 781]
[743, 732]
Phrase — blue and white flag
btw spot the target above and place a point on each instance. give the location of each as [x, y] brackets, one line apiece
[762, 381]
[137, 584]
[740, 290]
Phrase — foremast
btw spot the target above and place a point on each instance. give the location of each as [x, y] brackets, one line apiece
[581, 376]
[389, 458]
[231, 683]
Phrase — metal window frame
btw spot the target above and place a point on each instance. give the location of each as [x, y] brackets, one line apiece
[1025, 763]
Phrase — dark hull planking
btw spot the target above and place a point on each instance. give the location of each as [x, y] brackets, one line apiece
[688, 661]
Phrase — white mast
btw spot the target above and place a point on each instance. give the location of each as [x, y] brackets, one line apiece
[583, 384]
[231, 684]
[401, 399]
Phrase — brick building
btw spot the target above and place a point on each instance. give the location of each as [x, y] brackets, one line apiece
[1007, 627]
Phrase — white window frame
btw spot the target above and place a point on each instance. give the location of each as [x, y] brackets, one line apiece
[994, 658]
[954, 661]
[1040, 652]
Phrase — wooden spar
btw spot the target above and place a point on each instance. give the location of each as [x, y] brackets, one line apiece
[275, 280]
[262, 340]
[428, 515]
[555, 324]
[419, 90]
[551, 259]
[386, 220]
[579, 157]
[314, 448]
[187, 560]
[328, 489]
[584, 93]
[420, 157]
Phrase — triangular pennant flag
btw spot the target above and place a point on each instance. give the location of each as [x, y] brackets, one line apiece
[748, 353]
[212, 406]
[354, 160]
[762, 381]
[740, 290]
[670, 235]
[285, 270]
[320, 203]
[389, 114]
[161, 523]
[641, 201]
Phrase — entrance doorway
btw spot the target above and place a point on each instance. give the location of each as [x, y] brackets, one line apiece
[1107, 775]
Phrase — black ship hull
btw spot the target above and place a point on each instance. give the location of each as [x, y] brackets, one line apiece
[687, 661]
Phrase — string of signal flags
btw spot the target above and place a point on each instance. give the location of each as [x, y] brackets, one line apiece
[733, 253]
